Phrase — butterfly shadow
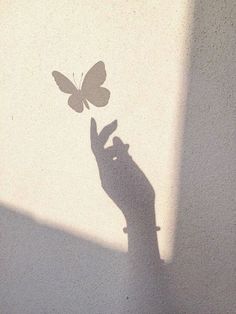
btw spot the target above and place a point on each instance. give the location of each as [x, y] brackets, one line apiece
[90, 90]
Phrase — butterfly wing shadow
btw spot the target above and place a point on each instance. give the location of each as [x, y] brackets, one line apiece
[64, 84]
[99, 96]
[91, 87]
[75, 101]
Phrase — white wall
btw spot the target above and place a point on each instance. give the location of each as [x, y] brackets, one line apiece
[171, 72]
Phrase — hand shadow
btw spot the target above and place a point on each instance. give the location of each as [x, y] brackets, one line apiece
[129, 188]
[121, 178]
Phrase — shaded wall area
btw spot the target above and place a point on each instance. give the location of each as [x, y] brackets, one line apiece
[203, 267]
[47, 270]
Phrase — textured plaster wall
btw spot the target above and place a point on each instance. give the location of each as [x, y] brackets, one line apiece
[171, 72]
[204, 249]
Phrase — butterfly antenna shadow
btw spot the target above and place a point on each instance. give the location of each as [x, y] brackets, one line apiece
[81, 80]
[74, 80]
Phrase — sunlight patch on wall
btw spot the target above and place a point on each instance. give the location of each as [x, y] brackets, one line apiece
[169, 173]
